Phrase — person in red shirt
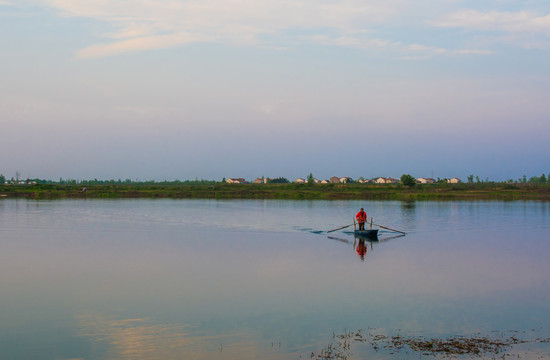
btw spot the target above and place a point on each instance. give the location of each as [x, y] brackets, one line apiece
[361, 218]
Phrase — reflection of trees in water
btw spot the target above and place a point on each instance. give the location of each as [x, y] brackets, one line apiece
[408, 209]
[408, 213]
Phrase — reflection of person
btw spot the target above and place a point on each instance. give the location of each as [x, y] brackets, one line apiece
[361, 218]
[361, 249]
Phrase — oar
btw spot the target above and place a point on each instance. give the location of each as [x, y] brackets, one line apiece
[387, 228]
[343, 227]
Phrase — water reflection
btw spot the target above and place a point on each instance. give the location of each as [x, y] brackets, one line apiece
[154, 279]
[143, 338]
[362, 244]
[408, 212]
[361, 248]
[134, 338]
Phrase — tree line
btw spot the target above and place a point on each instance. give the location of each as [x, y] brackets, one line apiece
[406, 179]
[543, 179]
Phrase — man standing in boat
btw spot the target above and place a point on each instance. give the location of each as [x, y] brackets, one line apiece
[361, 218]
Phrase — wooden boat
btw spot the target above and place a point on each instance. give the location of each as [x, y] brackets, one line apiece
[369, 233]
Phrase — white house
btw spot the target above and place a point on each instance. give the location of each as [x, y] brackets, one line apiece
[453, 180]
[381, 180]
[425, 180]
[345, 180]
[300, 181]
[235, 181]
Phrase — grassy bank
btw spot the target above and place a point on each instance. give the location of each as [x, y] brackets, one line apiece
[475, 191]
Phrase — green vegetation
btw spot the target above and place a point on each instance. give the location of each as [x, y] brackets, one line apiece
[280, 180]
[408, 180]
[218, 190]
[533, 188]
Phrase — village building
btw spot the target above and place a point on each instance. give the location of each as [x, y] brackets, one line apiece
[454, 180]
[425, 180]
[346, 180]
[334, 180]
[390, 180]
[300, 181]
[236, 181]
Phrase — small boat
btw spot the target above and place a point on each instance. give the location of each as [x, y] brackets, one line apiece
[369, 233]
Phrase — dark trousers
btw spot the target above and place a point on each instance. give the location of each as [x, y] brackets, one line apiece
[361, 226]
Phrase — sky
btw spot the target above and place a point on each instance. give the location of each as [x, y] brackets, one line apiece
[213, 89]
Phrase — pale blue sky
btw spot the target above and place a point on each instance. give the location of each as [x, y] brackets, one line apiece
[185, 89]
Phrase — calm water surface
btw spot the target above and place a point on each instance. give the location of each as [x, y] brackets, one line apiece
[205, 279]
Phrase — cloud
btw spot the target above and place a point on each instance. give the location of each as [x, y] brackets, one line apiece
[139, 44]
[429, 51]
[511, 22]
[141, 25]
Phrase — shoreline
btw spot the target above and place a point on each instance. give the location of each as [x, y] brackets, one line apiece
[465, 191]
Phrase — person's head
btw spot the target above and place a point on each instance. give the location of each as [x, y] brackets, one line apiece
[362, 209]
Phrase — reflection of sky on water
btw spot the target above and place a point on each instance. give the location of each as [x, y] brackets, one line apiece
[116, 278]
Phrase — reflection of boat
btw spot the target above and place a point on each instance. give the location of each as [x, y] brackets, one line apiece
[369, 233]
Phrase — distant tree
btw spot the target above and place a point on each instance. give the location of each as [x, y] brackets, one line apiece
[408, 180]
[477, 179]
[537, 180]
[310, 179]
[2, 179]
[279, 180]
[524, 179]
[223, 180]
[470, 178]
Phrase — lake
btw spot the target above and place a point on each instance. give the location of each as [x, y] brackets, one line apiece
[261, 279]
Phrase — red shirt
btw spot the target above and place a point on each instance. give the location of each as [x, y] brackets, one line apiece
[361, 216]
